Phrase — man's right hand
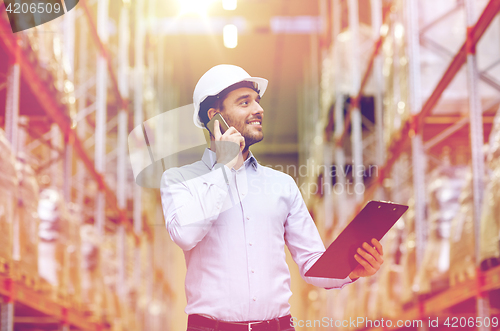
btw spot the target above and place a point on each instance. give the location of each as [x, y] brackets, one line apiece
[228, 145]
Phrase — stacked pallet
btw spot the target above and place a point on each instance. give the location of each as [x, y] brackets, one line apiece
[59, 245]
[109, 269]
[490, 222]
[408, 255]
[445, 184]
[74, 257]
[8, 189]
[25, 243]
[91, 286]
[462, 260]
[388, 295]
[449, 255]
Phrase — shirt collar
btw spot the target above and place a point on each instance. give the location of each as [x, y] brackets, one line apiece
[209, 158]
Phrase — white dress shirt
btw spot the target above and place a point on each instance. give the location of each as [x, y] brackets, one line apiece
[233, 226]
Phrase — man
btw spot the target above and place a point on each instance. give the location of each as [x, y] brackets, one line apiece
[233, 217]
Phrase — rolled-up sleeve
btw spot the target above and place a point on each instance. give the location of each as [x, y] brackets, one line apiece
[304, 241]
[190, 206]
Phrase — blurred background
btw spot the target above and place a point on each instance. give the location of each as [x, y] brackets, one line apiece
[392, 100]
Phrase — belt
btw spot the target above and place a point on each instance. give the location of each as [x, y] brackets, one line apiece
[282, 323]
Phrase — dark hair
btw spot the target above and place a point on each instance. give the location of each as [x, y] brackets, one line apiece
[216, 101]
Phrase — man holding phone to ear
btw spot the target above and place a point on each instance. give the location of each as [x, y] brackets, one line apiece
[232, 227]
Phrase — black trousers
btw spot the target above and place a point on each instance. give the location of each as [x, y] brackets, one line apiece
[199, 323]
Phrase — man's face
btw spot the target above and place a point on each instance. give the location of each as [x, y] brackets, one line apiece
[241, 109]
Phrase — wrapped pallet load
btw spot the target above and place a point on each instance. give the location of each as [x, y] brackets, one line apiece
[92, 285]
[25, 248]
[8, 189]
[462, 260]
[446, 184]
[53, 233]
[351, 303]
[364, 296]
[490, 220]
[74, 256]
[408, 256]
[389, 279]
[131, 287]
[109, 267]
[145, 287]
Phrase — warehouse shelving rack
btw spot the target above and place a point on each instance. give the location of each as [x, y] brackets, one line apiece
[14, 294]
[410, 135]
[38, 309]
[484, 282]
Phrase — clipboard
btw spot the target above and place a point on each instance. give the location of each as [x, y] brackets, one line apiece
[376, 218]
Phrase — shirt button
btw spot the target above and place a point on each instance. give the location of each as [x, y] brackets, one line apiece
[250, 244]
[253, 271]
[248, 218]
[254, 299]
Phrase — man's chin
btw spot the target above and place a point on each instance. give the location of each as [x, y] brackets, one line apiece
[253, 140]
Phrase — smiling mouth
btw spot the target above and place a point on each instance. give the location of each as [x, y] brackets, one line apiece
[255, 123]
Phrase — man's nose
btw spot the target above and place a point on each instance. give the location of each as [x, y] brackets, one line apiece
[258, 108]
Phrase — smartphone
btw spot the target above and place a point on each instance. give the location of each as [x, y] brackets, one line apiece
[223, 125]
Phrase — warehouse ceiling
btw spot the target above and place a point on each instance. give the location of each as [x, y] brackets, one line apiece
[278, 57]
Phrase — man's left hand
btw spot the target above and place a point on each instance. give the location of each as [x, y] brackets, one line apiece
[370, 259]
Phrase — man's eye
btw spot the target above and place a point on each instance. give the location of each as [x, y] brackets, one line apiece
[244, 103]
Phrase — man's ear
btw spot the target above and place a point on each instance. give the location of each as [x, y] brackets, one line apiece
[211, 113]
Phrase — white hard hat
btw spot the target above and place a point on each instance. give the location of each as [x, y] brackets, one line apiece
[216, 80]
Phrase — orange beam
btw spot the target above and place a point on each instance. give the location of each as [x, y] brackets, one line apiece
[453, 119]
